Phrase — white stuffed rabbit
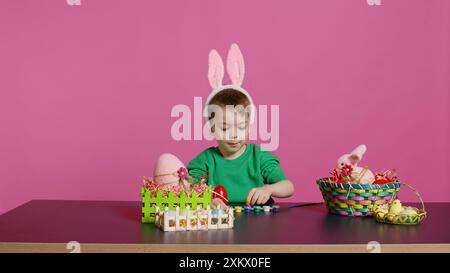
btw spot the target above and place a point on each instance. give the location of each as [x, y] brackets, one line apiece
[359, 175]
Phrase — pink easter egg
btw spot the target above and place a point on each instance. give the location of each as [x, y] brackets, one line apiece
[165, 171]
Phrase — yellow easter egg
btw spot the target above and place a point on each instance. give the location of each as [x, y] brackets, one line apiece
[408, 211]
[390, 216]
[380, 214]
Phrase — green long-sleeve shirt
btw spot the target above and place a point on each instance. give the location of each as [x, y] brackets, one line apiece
[253, 168]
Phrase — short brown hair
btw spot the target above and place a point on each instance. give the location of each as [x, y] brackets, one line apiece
[229, 97]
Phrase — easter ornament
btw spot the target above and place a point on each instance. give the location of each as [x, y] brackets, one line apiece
[235, 70]
[167, 171]
[221, 193]
[347, 165]
[170, 186]
[398, 214]
[352, 190]
[396, 207]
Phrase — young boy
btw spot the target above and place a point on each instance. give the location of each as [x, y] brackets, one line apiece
[248, 173]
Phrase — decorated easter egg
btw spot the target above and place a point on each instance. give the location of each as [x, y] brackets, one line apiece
[391, 216]
[408, 211]
[217, 211]
[221, 193]
[201, 212]
[381, 212]
[183, 212]
[166, 169]
[170, 213]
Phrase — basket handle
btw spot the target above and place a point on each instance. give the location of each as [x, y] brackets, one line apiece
[416, 192]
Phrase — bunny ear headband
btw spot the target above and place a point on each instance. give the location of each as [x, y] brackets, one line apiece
[236, 71]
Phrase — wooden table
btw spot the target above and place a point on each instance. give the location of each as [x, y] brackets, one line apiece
[114, 226]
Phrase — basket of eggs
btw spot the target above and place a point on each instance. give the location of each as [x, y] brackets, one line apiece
[397, 214]
[356, 191]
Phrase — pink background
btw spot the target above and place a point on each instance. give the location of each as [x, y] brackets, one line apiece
[86, 91]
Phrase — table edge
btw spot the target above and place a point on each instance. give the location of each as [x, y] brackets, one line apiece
[20, 247]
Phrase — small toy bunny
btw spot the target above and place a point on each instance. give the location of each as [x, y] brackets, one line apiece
[359, 175]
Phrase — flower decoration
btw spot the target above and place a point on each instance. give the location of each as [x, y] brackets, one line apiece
[199, 189]
[187, 184]
[347, 170]
[342, 175]
[176, 189]
[151, 186]
[182, 173]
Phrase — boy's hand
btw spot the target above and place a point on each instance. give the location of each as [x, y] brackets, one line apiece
[259, 196]
[216, 202]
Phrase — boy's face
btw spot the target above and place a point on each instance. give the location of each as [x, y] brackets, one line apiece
[230, 128]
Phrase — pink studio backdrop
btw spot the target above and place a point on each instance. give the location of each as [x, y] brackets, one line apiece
[86, 91]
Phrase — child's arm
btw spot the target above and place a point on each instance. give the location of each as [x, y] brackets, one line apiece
[261, 195]
[277, 183]
[283, 188]
[197, 167]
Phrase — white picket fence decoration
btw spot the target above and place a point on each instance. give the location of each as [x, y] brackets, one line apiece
[199, 219]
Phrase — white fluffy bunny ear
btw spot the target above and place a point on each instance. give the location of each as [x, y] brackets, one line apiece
[215, 69]
[358, 153]
[235, 65]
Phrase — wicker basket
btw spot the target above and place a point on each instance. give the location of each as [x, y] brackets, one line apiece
[402, 219]
[356, 199]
